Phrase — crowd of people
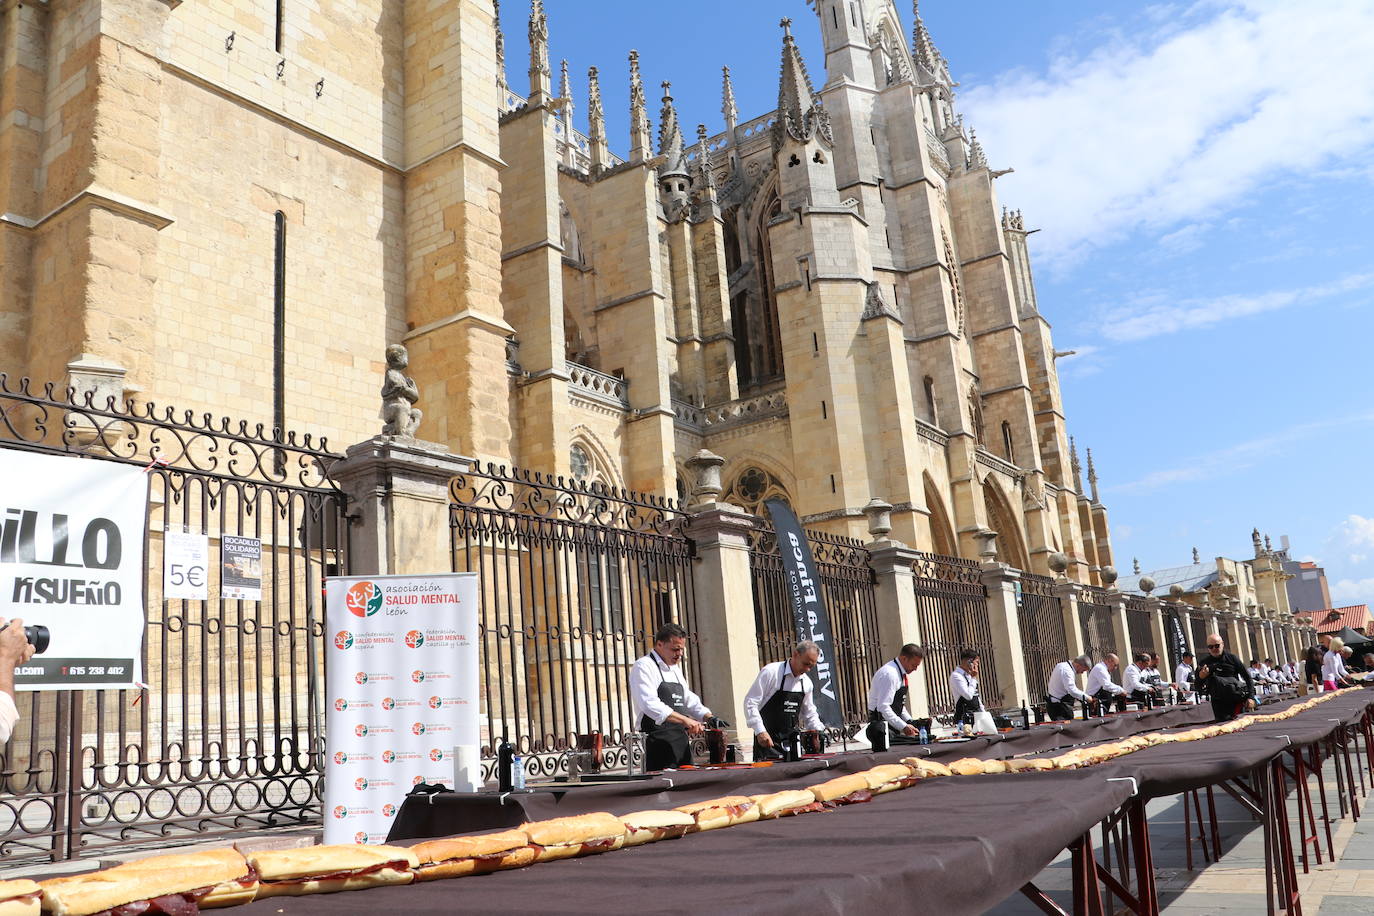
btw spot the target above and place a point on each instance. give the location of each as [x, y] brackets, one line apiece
[780, 702]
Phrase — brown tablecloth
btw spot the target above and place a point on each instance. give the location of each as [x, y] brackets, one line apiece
[448, 813]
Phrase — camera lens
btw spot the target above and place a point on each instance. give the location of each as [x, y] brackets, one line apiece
[38, 637]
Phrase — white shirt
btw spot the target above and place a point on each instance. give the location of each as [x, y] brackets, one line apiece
[1064, 683]
[962, 684]
[886, 682]
[771, 679]
[1181, 675]
[645, 675]
[1100, 678]
[1133, 679]
[9, 716]
[1333, 666]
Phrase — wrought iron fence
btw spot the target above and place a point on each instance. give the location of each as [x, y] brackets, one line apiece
[574, 579]
[847, 584]
[1138, 626]
[952, 606]
[1096, 616]
[1040, 616]
[228, 736]
[1197, 627]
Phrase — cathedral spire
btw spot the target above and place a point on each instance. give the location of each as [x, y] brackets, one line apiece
[727, 104]
[1077, 468]
[800, 114]
[1136, 563]
[639, 114]
[500, 53]
[931, 66]
[670, 145]
[1255, 539]
[540, 77]
[977, 159]
[596, 122]
[565, 114]
[706, 181]
[1092, 476]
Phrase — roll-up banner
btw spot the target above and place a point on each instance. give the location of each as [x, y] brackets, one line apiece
[72, 560]
[808, 606]
[401, 675]
[1177, 642]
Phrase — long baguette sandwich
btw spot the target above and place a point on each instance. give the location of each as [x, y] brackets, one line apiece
[926, 769]
[456, 856]
[968, 766]
[176, 885]
[786, 803]
[843, 790]
[579, 835]
[20, 897]
[889, 777]
[651, 826]
[721, 812]
[327, 869]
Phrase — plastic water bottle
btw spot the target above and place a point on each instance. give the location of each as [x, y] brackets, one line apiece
[922, 735]
[517, 772]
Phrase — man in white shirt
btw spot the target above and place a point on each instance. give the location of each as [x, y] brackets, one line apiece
[1183, 675]
[667, 712]
[1101, 687]
[1062, 689]
[963, 686]
[780, 698]
[1134, 683]
[887, 694]
[14, 651]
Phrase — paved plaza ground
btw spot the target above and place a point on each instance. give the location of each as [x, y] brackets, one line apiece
[1235, 885]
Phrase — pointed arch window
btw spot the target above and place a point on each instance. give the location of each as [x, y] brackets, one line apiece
[758, 338]
[975, 415]
[753, 487]
[932, 413]
[1008, 443]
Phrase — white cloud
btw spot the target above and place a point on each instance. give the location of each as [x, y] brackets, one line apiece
[1356, 531]
[1345, 592]
[1181, 118]
[1156, 314]
[1242, 455]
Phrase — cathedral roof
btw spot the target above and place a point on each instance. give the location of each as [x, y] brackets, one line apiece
[1194, 577]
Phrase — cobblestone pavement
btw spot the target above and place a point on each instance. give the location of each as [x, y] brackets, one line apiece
[1235, 885]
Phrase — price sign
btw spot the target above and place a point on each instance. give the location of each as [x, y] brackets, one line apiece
[185, 562]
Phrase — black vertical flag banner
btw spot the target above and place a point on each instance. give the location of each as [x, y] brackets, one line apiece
[1176, 640]
[808, 607]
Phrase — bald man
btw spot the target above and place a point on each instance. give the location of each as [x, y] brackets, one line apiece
[1226, 679]
[1101, 687]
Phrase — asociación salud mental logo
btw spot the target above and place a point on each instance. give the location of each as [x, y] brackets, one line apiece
[415, 639]
[363, 599]
[343, 639]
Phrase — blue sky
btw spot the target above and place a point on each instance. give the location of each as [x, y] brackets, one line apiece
[1202, 176]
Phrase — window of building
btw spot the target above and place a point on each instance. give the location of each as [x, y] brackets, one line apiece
[1008, 445]
[932, 414]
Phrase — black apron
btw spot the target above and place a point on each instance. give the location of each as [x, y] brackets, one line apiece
[1059, 709]
[780, 714]
[667, 745]
[877, 724]
[964, 710]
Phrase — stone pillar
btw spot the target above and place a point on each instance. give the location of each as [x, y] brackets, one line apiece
[398, 496]
[1121, 632]
[1067, 591]
[898, 619]
[1159, 629]
[1000, 580]
[727, 637]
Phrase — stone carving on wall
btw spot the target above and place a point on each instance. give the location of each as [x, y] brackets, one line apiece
[399, 395]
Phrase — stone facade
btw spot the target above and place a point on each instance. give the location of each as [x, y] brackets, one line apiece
[235, 206]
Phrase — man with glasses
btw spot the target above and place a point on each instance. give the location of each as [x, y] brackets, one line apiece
[1226, 679]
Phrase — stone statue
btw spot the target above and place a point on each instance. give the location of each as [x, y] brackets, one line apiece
[399, 394]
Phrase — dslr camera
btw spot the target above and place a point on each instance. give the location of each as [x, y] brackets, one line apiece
[37, 635]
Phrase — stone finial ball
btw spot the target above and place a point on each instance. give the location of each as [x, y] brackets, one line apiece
[1059, 562]
[1108, 574]
[1176, 591]
[1147, 584]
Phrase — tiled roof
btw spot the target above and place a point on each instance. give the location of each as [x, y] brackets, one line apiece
[1333, 620]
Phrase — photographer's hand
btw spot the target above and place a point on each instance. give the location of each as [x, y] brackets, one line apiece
[14, 645]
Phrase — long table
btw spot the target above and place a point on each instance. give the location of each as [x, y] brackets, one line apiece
[954, 845]
[447, 813]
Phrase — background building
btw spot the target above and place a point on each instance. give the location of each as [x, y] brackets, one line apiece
[236, 207]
